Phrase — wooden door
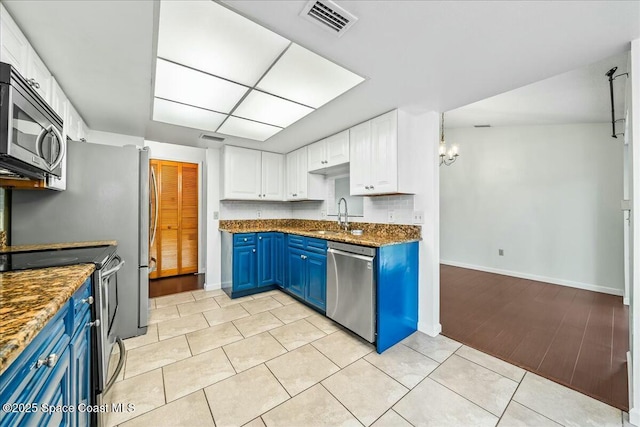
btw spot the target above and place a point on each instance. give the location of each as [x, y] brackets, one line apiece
[176, 241]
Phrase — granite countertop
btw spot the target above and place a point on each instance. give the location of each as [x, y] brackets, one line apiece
[46, 246]
[29, 299]
[375, 235]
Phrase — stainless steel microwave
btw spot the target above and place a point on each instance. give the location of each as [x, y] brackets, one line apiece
[31, 142]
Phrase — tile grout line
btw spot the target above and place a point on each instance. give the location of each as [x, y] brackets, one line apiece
[489, 369]
[338, 400]
[453, 391]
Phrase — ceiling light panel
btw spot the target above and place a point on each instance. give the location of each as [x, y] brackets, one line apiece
[209, 37]
[270, 109]
[185, 115]
[307, 78]
[192, 87]
[236, 126]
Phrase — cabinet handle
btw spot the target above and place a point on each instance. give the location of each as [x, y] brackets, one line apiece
[303, 256]
[87, 300]
[260, 238]
[371, 187]
[366, 187]
[245, 239]
[49, 361]
[33, 83]
[264, 195]
[96, 323]
[259, 195]
[254, 251]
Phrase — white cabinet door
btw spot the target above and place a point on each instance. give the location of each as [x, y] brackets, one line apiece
[291, 175]
[15, 47]
[71, 122]
[38, 75]
[384, 154]
[58, 100]
[272, 176]
[302, 170]
[317, 153]
[337, 148]
[242, 173]
[360, 158]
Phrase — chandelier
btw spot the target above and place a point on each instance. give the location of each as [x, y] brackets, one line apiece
[447, 156]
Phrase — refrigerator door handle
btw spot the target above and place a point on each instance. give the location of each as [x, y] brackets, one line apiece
[155, 214]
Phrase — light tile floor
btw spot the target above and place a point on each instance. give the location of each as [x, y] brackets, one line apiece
[268, 360]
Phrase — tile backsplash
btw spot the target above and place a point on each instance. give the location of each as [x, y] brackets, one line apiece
[376, 209]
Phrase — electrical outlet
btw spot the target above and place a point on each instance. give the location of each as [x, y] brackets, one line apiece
[258, 213]
[501, 252]
[216, 215]
[418, 217]
[391, 218]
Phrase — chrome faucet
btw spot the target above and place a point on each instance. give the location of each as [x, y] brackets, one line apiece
[345, 223]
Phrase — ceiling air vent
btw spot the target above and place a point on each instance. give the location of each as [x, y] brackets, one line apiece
[212, 138]
[329, 16]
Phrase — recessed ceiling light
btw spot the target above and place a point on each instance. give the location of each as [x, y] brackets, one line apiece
[185, 115]
[196, 88]
[236, 126]
[270, 109]
[305, 77]
[207, 36]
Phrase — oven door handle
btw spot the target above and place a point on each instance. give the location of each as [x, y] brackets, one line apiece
[113, 270]
[112, 380]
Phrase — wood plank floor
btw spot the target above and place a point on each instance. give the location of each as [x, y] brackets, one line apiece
[175, 284]
[575, 337]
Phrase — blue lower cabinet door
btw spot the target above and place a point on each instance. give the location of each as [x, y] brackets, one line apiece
[54, 393]
[266, 259]
[279, 258]
[244, 268]
[296, 271]
[316, 291]
[81, 370]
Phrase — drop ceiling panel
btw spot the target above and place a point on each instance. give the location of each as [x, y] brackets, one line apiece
[270, 109]
[209, 37]
[185, 115]
[236, 126]
[188, 86]
[307, 78]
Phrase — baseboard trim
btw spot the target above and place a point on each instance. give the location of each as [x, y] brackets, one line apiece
[429, 329]
[569, 283]
[634, 417]
[212, 287]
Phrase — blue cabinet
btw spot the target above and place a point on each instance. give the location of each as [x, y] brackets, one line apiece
[307, 270]
[279, 256]
[256, 264]
[244, 267]
[54, 369]
[316, 291]
[266, 259]
[296, 271]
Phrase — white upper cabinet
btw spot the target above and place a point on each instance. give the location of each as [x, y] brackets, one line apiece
[376, 154]
[272, 176]
[58, 100]
[329, 152]
[14, 47]
[252, 174]
[241, 177]
[300, 184]
[38, 75]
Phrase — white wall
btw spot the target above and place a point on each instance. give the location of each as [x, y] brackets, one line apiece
[181, 153]
[109, 138]
[549, 196]
[213, 252]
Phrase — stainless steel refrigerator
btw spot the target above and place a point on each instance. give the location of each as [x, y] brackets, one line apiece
[107, 198]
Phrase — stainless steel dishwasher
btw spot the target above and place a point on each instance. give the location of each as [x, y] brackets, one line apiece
[351, 288]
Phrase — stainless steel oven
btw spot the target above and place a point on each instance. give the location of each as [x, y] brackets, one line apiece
[106, 322]
[31, 142]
